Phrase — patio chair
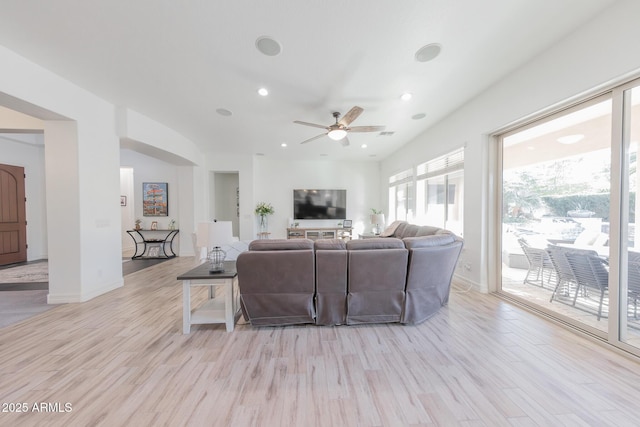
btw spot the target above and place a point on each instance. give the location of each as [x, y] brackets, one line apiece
[590, 272]
[564, 274]
[539, 261]
[633, 284]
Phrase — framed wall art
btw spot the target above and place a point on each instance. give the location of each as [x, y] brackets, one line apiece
[155, 199]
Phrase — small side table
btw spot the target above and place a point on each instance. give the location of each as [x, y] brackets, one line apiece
[214, 310]
[153, 243]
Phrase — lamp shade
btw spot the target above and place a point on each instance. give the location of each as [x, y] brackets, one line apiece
[214, 233]
[377, 219]
[378, 223]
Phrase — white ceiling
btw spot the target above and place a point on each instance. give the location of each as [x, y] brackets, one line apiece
[177, 62]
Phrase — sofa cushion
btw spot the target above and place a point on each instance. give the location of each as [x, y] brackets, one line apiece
[277, 287]
[377, 272]
[400, 230]
[427, 230]
[280, 244]
[375, 243]
[427, 241]
[409, 231]
[330, 244]
[391, 229]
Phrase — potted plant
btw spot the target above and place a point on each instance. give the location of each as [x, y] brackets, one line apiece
[264, 209]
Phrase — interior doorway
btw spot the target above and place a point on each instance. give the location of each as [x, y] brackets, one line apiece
[127, 211]
[13, 222]
[226, 198]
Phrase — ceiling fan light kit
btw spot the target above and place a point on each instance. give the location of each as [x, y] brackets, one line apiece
[337, 134]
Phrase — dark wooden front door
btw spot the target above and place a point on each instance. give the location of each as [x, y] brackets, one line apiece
[13, 224]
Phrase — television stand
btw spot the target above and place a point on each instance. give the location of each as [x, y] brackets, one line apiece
[316, 233]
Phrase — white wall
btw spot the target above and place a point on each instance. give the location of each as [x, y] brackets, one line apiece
[82, 158]
[599, 53]
[82, 182]
[149, 169]
[31, 158]
[275, 180]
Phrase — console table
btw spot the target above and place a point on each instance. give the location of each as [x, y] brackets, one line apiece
[215, 309]
[319, 233]
[153, 243]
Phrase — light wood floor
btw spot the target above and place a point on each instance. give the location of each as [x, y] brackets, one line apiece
[121, 359]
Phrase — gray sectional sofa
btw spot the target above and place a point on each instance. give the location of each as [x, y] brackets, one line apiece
[333, 282]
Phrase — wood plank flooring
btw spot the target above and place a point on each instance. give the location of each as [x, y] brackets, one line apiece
[121, 359]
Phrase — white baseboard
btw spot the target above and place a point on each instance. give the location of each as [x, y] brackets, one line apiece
[466, 283]
[83, 297]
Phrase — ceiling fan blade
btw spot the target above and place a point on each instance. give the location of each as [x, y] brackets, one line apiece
[344, 142]
[310, 124]
[313, 139]
[350, 116]
[367, 129]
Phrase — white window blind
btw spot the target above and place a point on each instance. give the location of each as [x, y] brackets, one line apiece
[401, 178]
[444, 165]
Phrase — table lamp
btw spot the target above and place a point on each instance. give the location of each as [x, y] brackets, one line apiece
[378, 221]
[212, 235]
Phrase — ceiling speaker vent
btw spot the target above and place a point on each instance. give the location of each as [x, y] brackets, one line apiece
[387, 133]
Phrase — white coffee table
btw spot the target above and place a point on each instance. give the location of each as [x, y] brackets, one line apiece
[214, 310]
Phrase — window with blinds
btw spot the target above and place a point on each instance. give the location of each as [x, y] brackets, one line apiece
[440, 190]
[446, 164]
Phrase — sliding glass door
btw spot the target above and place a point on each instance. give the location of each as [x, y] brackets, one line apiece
[629, 316]
[556, 198]
[568, 215]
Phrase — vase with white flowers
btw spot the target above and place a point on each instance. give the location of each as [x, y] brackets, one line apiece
[263, 210]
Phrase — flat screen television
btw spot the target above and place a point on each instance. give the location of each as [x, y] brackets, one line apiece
[320, 204]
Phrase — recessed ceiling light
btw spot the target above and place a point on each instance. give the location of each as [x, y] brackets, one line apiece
[428, 52]
[363, 146]
[224, 112]
[284, 144]
[268, 46]
[419, 116]
[263, 92]
[530, 148]
[406, 96]
[570, 139]
[259, 154]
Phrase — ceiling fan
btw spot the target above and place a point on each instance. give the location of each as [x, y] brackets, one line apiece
[338, 131]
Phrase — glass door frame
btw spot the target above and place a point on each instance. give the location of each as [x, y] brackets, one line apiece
[620, 168]
[619, 215]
